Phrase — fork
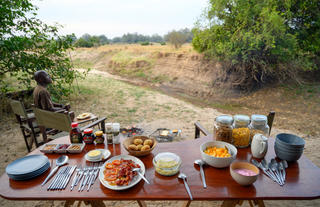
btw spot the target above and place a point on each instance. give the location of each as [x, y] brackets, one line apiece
[74, 181]
[84, 175]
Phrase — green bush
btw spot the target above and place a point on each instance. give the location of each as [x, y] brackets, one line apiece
[145, 43]
[261, 40]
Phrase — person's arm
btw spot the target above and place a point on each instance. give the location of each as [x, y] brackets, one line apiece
[46, 103]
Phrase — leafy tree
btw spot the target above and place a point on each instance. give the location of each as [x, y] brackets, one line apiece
[261, 40]
[176, 38]
[28, 45]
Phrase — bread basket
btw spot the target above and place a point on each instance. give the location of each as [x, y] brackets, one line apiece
[130, 140]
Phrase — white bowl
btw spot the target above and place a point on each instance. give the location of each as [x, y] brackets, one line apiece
[244, 179]
[218, 162]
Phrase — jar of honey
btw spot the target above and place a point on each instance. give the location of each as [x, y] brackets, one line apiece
[99, 137]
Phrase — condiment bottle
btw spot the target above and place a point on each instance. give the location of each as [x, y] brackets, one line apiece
[259, 124]
[241, 131]
[75, 133]
[88, 136]
[116, 133]
[222, 129]
[109, 133]
[99, 137]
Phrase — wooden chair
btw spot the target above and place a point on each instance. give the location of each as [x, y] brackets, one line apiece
[199, 128]
[49, 121]
[27, 121]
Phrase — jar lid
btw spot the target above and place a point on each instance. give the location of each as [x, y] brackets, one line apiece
[224, 119]
[88, 131]
[259, 119]
[242, 119]
[167, 157]
[74, 124]
[98, 133]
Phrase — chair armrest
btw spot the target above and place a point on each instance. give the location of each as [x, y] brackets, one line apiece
[101, 120]
[199, 128]
[60, 111]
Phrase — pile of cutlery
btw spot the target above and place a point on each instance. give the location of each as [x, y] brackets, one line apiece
[86, 177]
[274, 170]
[61, 180]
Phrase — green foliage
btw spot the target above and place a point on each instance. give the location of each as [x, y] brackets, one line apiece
[145, 43]
[28, 45]
[91, 41]
[176, 38]
[261, 40]
[136, 38]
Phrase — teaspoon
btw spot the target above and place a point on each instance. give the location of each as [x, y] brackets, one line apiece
[184, 178]
[201, 163]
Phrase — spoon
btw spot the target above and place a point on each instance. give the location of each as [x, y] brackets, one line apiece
[59, 162]
[281, 168]
[265, 165]
[285, 165]
[201, 163]
[259, 165]
[138, 171]
[275, 167]
[184, 178]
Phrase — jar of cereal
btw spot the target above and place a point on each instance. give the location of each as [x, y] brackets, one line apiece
[259, 124]
[241, 131]
[222, 129]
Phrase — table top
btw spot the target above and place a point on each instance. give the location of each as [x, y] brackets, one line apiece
[303, 179]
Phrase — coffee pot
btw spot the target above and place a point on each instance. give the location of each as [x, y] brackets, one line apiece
[259, 146]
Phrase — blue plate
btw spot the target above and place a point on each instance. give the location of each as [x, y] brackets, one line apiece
[31, 175]
[26, 165]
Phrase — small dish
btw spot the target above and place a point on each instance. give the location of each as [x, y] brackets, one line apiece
[84, 116]
[244, 178]
[105, 154]
[167, 163]
[75, 148]
[48, 148]
[61, 148]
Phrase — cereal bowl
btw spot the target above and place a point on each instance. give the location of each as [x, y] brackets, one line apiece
[218, 162]
[244, 173]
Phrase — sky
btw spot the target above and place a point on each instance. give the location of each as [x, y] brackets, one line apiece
[117, 17]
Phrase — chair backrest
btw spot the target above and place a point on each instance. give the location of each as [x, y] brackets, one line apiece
[18, 108]
[49, 119]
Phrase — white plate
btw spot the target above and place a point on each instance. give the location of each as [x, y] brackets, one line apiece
[83, 116]
[133, 182]
[105, 155]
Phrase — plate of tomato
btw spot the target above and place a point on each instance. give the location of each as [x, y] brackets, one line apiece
[116, 173]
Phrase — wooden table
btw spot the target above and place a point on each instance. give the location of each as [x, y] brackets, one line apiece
[303, 180]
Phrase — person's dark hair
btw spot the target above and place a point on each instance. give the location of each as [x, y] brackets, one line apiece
[40, 75]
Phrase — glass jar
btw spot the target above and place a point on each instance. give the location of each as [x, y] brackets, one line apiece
[99, 137]
[259, 124]
[222, 129]
[241, 131]
[75, 133]
[116, 133]
[167, 163]
[109, 133]
[88, 136]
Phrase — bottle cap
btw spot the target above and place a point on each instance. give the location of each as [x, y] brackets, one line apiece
[74, 124]
[88, 131]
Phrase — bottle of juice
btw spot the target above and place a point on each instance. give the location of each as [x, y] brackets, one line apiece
[75, 133]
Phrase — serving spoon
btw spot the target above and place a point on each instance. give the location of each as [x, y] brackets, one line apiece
[184, 178]
[59, 162]
[201, 163]
[138, 171]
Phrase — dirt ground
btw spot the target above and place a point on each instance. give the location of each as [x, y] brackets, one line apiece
[127, 104]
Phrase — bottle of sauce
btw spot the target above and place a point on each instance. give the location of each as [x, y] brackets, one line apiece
[75, 133]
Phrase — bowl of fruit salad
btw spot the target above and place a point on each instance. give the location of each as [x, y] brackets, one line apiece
[218, 154]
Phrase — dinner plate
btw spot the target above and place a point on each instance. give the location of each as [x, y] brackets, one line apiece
[32, 175]
[84, 116]
[105, 155]
[133, 182]
[27, 164]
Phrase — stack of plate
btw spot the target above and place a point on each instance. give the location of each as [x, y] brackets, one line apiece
[28, 167]
[289, 147]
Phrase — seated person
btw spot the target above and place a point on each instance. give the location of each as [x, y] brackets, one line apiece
[41, 95]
